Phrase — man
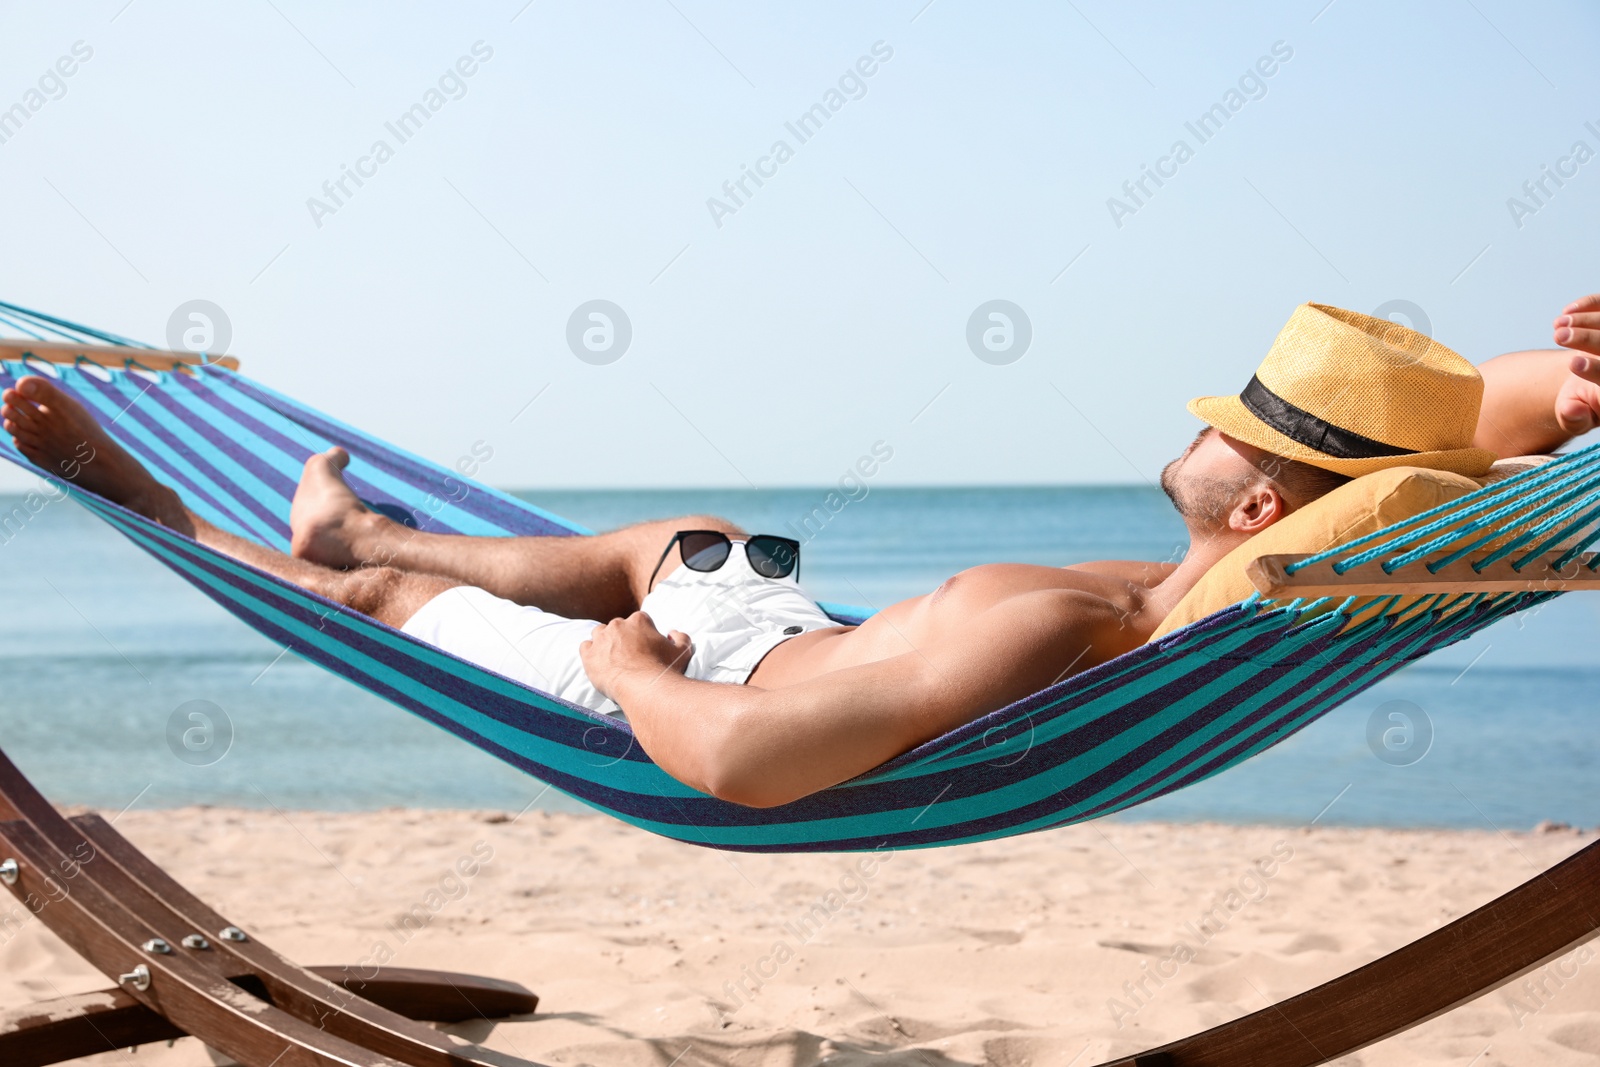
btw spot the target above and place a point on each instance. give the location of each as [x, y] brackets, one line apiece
[752, 693]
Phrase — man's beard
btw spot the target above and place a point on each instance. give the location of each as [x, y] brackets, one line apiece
[1204, 503]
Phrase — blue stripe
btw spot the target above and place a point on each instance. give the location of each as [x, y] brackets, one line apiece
[506, 511]
[1160, 718]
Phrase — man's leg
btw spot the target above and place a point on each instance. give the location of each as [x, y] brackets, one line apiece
[602, 577]
[61, 437]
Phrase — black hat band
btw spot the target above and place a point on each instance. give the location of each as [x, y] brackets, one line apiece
[1302, 427]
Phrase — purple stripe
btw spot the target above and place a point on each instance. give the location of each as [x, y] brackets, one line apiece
[1061, 801]
[1053, 755]
[484, 505]
[854, 799]
[246, 457]
[1191, 720]
[706, 811]
[586, 789]
[1075, 691]
[626, 804]
[173, 475]
[297, 451]
[1218, 753]
[1376, 640]
[1422, 644]
[844, 802]
[692, 812]
[998, 824]
[131, 410]
[512, 711]
[166, 437]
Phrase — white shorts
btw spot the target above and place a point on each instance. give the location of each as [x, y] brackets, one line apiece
[733, 616]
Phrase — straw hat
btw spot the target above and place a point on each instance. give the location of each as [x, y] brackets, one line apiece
[1355, 394]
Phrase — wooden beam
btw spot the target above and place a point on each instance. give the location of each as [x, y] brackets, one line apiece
[1542, 919]
[1271, 576]
[65, 1028]
[113, 356]
[180, 984]
[200, 973]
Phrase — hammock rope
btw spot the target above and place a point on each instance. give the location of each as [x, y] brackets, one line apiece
[1162, 717]
[1491, 509]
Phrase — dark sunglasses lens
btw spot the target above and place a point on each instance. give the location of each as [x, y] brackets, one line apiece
[771, 557]
[704, 551]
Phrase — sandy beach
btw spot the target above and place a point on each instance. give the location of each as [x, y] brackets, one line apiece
[1023, 952]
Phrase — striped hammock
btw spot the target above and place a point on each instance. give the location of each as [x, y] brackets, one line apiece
[1161, 717]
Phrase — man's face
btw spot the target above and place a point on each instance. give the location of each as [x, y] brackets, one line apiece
[1205, 482]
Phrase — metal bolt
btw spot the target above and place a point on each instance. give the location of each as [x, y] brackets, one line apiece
[138, 978]
[9, 871]
[196, 941]
[157, 947]
[233, 933]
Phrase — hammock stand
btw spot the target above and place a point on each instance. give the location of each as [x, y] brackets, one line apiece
[180, 968]
[1166, 715]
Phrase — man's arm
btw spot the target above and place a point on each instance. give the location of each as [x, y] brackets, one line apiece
[765, 747]
[1520, 414]
[1534, 402]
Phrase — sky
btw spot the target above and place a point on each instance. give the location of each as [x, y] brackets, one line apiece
[563, 153]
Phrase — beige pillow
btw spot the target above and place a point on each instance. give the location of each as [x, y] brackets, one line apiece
[1355, 509]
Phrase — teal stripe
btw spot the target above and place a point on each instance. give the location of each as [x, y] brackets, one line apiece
[1112, 699]
[643, 779]
[244, 525]
[1342, 685]
[284, 463]
[416, 498]
[919, 805]
[377, 444]
[1404, 642]
[239, 481]
[1217, 690]
[628, 776]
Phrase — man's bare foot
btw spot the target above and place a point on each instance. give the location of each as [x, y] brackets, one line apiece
[328, 524]
[62, 438]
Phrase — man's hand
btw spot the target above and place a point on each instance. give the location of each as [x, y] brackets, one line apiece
[633, 644]
[1578, 328]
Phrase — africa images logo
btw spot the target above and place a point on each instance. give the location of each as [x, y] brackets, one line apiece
[1252, 85]
[852, 85]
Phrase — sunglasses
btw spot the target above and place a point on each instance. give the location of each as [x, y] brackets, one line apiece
[707, 550]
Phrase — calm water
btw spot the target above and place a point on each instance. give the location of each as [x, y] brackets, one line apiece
[102, 645]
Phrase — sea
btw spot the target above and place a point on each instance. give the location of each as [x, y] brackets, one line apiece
[122, 687]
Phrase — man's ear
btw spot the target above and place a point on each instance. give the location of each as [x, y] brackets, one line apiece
[1259, 507]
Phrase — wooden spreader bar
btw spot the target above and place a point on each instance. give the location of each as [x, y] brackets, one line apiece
[1269, 574]
[114, 356]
